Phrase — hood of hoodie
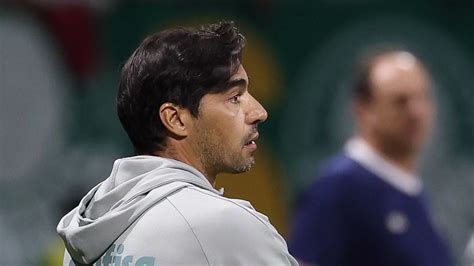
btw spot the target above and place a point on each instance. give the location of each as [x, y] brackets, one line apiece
[134, 185]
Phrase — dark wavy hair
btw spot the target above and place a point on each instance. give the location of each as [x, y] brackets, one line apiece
[178, 66]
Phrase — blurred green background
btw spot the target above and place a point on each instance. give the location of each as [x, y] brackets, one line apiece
[59, 70]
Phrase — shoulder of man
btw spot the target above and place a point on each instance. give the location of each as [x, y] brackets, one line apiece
[197, 227]
[337, 181]
[337, 166]
[230, 231]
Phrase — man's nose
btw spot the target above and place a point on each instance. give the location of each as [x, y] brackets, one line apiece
[257, 113]
[418, 107]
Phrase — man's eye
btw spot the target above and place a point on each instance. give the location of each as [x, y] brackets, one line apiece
[235, 99]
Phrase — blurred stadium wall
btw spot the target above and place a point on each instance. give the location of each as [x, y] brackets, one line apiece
[59, 67]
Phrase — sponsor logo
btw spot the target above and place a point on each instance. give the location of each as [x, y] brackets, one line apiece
[397, 222]
[113, 257]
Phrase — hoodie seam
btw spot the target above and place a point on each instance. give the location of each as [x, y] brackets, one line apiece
[115, 171]
[191, 229]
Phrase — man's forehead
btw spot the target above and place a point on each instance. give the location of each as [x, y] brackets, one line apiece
[241, 74]
[391, 66]
[401, 72]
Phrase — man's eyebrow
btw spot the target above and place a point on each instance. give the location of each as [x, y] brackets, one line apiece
[237, 83]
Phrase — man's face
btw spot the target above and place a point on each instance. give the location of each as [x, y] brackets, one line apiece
[225, 132]
[400, 110]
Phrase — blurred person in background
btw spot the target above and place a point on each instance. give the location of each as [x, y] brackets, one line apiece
[367, 206]
[184, 102]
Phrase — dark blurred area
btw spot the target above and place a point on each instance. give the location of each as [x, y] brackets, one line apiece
[59, 133]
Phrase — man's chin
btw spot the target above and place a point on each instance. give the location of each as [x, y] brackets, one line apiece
[407, 148]
[243, 167]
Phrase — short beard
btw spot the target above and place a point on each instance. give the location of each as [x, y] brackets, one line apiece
[215, 160]
[397, 148]
[242, 167]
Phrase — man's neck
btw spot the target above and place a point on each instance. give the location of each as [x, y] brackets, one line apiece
[176, 152]
[403, 160]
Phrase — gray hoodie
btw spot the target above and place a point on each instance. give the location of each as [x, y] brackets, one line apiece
[157, 211]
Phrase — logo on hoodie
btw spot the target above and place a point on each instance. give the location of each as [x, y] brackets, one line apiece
[113, 257]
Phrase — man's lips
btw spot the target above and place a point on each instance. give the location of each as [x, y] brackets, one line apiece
[252, 142]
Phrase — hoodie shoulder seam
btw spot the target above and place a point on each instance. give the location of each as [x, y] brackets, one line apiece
[191, 229]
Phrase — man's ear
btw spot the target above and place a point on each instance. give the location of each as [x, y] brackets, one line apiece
[175, 119]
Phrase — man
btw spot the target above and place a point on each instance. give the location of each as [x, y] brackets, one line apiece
[367, 207]
[183, 100]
